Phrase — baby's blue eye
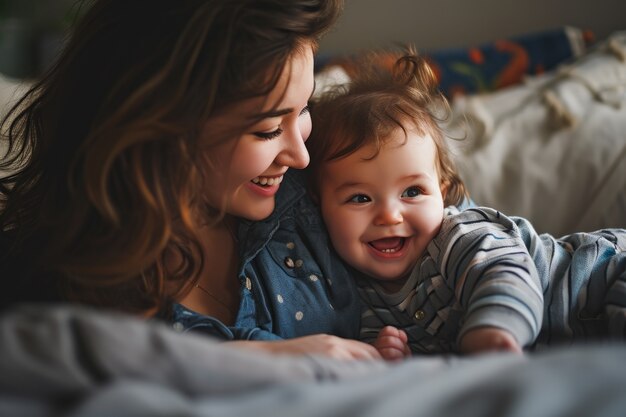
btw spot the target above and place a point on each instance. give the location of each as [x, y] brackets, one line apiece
[411, 192]
[359, 199]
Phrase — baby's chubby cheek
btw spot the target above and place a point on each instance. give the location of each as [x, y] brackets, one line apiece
[348, 245]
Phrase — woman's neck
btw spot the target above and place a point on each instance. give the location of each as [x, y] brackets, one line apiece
[217, 291]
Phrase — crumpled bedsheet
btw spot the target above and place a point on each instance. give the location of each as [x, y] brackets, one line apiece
[70, 361]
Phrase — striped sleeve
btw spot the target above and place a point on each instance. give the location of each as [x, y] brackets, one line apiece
[483, 259]
[370, 326]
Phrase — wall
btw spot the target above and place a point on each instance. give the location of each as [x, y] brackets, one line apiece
[364, 24]
[458, 23]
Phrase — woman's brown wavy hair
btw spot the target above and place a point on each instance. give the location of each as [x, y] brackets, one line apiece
[377, 101]
[106, 178]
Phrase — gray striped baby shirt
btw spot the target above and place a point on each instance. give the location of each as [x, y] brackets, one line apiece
[488, 269]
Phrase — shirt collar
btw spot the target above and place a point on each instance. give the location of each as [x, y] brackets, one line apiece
[254, 235]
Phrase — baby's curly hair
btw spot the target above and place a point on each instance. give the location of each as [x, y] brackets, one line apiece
[377, 101]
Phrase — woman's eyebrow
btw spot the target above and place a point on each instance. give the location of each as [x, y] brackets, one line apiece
[272, 113]
[279, 112]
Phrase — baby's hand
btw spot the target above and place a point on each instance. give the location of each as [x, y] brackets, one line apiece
[485, 339]
[392, 344]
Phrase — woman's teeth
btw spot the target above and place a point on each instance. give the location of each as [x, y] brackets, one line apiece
[267, 181]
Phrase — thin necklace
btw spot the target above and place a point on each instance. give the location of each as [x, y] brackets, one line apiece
[220, 302]
[206, 291]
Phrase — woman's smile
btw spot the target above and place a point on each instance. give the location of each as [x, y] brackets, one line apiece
[267, 181]
[265, 186]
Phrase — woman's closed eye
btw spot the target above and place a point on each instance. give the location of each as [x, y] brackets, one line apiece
[269, 135]
[412, 192]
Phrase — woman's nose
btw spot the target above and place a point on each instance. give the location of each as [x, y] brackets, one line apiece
[294, 153]
[388, 215]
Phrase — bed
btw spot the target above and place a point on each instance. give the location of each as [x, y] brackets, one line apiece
[62, 361]
[550, 146]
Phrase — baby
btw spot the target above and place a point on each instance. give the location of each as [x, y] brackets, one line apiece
[453, 280]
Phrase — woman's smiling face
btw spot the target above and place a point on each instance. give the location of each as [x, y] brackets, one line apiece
[246, 172]
[382, 212]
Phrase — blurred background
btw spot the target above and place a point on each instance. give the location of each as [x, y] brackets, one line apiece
[462, 23]
[32, 31]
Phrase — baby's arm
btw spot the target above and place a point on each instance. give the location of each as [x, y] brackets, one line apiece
[484, 261]
[486, 339]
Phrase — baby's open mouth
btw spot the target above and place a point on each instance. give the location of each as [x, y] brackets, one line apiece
[389, 244]
[267, 181]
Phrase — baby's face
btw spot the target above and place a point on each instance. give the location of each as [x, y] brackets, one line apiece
[381, 213]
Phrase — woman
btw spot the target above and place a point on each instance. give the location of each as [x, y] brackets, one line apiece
[150, 175]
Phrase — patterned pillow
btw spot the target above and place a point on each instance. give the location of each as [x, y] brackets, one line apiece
[490, 66]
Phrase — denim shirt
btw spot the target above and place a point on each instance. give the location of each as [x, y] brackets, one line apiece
[291, 281]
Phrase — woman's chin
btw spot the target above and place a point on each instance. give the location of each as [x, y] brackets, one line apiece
[256, 213]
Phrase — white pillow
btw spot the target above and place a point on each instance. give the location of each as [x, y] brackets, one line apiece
[553, 150]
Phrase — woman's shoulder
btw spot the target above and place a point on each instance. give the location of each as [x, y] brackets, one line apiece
[23, 281]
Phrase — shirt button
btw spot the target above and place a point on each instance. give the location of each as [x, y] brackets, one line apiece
[419, 314]
[289, 263]
[178, 326]
[291, 245]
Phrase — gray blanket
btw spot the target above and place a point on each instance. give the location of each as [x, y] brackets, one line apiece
[68, 361]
